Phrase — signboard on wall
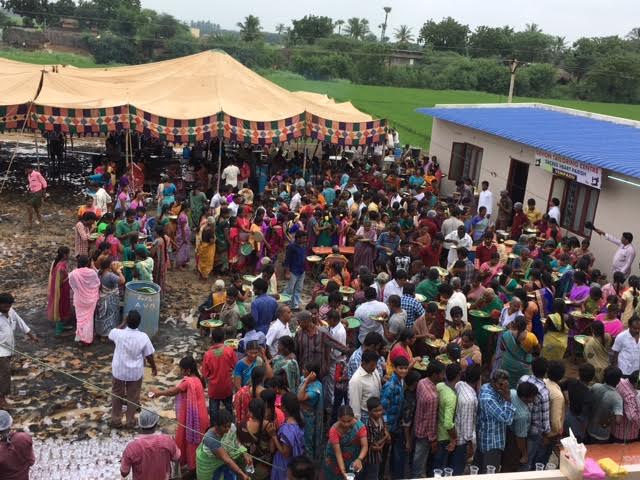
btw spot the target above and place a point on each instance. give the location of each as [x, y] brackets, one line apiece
[580, 172]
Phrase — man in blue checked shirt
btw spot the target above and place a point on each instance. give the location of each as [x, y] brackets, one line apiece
[495, 413]
[392, 399]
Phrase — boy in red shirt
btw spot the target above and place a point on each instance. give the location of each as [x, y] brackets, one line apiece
[217, 367]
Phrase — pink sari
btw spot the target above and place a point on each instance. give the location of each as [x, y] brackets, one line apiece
[85, 284]
[191, 411]
[59, 296]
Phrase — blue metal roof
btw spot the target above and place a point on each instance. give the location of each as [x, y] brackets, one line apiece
[602, 143]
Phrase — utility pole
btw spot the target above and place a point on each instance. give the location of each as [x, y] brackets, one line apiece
[513, 68]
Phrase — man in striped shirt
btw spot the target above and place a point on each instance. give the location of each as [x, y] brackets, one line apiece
[127, 367]
[466, 416]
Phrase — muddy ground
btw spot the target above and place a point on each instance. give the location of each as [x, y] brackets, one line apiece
[51, 403]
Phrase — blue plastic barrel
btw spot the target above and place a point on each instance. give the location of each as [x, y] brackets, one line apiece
[146, 303]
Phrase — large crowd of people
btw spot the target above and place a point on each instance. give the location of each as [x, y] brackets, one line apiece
[368, 325]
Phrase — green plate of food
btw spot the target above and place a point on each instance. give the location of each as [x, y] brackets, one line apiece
[422, 364]
[347, 290]
[249, 278]
[581, 339]
[580, 314]
[284, 298]
[128, 264]
[173, 217]
[378, 318]
[352, 322]
[435, 342]
[420, 297]
[94, 236]
[478, 313]
[493, 328]
[444, 359]
[314, 258]
[324, 282]
[233, 343]
[442, 271]
[211, 323]
[345, 309]
[510, 243]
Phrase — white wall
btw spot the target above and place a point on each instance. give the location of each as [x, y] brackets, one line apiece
[618, 207]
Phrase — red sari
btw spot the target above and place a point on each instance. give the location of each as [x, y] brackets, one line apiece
[191, 411]
[59, 296]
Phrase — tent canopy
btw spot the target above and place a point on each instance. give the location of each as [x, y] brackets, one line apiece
[190, 98]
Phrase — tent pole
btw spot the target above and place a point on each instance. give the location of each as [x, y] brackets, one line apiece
[35, 139]
[304, 158]
[219, 162]
[126, 151]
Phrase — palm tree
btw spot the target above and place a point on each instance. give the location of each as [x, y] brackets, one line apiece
[403, 34]
[280, 28]
[339, 24]
[250, 28]
[384, 25]
[357, 28]
[532, 28]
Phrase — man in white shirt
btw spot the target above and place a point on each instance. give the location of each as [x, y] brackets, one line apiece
[339, 334]
[370, 307]
[454, 297]
[102, 199]
[230, 175]
[626, 348]
[296, 200]
[127, 366]
[395, 286]
[485, 198]
[279, 328]
[217, 198]
[364, 384]
[625, 254]
[554, 209]
[10, 321]
[457, 239]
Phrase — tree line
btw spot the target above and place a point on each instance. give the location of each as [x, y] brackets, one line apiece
[451, 55]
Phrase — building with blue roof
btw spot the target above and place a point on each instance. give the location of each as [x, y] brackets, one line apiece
[589, 162]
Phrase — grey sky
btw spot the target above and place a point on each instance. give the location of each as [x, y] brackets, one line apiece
[568, 18]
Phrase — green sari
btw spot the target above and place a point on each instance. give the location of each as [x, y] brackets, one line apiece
[208, 465]
[313, 416]
[482, 335]
[510, 356]
[349, 447]
[290, 368]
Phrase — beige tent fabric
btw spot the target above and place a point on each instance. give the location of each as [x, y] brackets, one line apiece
[190, 87]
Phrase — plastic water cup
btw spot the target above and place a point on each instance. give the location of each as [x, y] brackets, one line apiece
[473, 470]
[351, 476]
[448, 472]
[551, 466]
[539, 467]
[491, 469]
[437, 473]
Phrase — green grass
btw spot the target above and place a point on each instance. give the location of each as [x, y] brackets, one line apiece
[41, 57]
[398, 105]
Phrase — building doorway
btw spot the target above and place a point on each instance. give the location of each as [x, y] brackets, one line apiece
[517, 183]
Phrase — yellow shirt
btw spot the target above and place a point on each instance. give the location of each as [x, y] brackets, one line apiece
[372, 207]
[533, 215]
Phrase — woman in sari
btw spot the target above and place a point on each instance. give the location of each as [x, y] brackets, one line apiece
[511, 354]
[166, 193]
[597, 348]
[115, 247]
[289, 438]
[183, 238]
[343, 229]
[491, 269]
[556, 334]
[310, 396]
[206, 251]
[285, 360]
[365, 249]
[508, 284]
[240, 237]
[59, 296]
[347, 446]
[198, 204]
[253, 435]
[612, 324]
[108, 307]
[244, 395]
[403, 348]
[219, 454]
[85, 284]
[191, 411]
[160, 255]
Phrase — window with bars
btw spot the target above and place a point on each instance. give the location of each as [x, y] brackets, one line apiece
[466, 160]
[578, 204]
